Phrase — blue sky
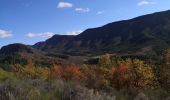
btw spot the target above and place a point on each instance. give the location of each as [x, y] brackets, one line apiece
[31, 21]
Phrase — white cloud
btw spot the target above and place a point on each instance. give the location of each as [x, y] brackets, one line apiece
[64, 5]
[100, 12]
[40, 35]
[50, 34]
[82, 10]
[144, 2]
[74, 32]
[5, 34]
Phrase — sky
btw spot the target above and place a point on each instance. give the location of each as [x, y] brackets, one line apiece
[31, 21]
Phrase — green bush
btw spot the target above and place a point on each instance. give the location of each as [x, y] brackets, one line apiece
[4, 75]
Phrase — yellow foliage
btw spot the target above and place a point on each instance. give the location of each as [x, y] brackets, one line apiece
[34, 72]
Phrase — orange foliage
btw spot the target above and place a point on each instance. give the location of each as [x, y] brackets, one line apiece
[70, 72]
[121, 69]
[121, 76]
[16, 68]
[120, 73]
[113, 69]
[57, 71]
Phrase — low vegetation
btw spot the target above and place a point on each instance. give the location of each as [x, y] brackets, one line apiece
[112, 78]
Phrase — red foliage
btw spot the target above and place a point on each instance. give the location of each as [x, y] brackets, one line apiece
[121, 76]
[121, 69]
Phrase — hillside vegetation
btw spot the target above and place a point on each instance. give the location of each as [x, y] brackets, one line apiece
[112, 78]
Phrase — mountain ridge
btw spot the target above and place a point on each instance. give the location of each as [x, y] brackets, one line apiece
[140, 35]
[126, 36]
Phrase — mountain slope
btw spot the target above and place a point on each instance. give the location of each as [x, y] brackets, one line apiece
[23, 54]
[144, 34]
[17, 48]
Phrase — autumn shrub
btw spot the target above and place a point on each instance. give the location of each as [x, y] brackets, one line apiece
[134, 74]
[129, 74]
[69, 72]
[142, 75]
[31, 71]
[120, 76]
[105, 61]
[97, 77]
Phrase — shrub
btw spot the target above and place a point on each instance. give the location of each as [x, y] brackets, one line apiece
[165, 70]
[69, 72]
[105, 61]
[32, 72]
[133, 74]
[4, 75]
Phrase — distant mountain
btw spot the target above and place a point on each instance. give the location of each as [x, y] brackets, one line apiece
[23, 54]
[57, 42]
[17, 48]
[141, 35]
